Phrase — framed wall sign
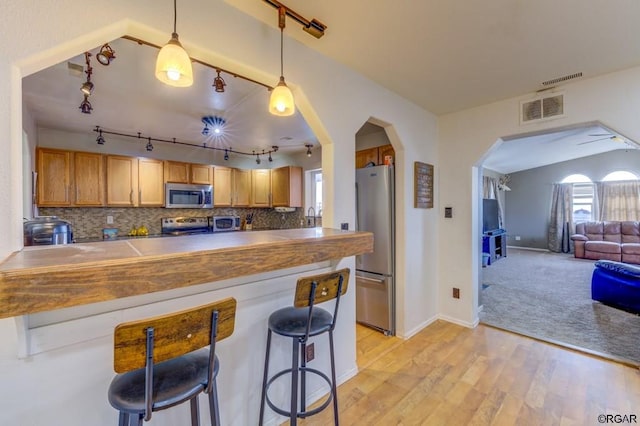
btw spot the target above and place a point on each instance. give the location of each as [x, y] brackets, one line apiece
[422, 185]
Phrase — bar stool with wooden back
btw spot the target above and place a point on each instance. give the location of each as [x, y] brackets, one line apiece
[170, 359]
[299, 322]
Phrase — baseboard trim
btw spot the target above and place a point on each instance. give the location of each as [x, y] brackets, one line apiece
[526, 248]
[453, 320]
[417, 329]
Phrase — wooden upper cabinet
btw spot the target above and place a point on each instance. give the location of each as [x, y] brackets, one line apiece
[150, 182]
[222, 186]
[366, 156]
[88, 178]
[122, 181]
[241, 188]
[261, 188]
[201, 174]
[374, 155]
[384, 151]
[176, 172]
[286, 187]
[54, 177]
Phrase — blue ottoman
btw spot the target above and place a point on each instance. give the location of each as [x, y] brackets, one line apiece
[616, 284]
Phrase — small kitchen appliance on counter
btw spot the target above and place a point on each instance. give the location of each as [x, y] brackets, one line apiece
[225, 223]
[185, 225]
[47, 230]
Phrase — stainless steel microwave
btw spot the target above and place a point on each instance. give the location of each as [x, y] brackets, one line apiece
[225, 223]
[188, 196]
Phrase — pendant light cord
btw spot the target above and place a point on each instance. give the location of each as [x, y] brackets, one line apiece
[281, 53]
[175, 14]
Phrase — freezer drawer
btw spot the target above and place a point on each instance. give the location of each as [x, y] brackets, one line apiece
[375, 301]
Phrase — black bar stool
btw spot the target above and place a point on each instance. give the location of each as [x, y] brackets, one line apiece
[299, 322]
[167, 360]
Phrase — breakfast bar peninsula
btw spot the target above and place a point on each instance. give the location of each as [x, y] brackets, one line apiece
[67, 299]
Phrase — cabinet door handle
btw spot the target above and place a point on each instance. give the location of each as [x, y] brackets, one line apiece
[131, 197]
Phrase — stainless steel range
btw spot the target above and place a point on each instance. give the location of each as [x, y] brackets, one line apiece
[185, 225]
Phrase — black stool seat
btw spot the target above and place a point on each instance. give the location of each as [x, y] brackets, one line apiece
[292, 322]
[174, 381]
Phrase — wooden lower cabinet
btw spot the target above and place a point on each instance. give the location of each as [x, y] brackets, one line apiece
[150, 182]
[261, 188]
[88, 177]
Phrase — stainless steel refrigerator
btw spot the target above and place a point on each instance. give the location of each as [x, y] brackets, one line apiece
[375, 283]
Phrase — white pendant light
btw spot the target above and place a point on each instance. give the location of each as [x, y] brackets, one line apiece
[173, 65]
[281, 102]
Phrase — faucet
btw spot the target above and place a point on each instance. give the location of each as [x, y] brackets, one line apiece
[311, 209]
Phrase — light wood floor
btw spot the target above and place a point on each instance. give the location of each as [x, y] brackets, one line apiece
[452, 375]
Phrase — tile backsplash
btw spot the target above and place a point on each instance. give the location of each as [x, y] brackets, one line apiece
[87, 223]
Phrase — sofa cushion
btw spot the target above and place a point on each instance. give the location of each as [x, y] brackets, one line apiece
[630, 231]
[630, 248]
[602, 247]
[593, 230]
[611, 231]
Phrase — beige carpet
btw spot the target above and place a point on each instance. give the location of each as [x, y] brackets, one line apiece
[548, 296]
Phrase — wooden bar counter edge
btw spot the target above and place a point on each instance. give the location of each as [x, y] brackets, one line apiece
[45, 278]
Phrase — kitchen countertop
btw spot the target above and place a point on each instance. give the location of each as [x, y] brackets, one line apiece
[44, 278]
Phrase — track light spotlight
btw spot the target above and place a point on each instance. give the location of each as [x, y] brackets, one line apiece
[215, 123]
[270, 159]
[258, 159]
[85, 106]
[308, 146]
[149, 145]
[106, 54]
[100, 138]
[87, 87]
[226, 155]
[219, 83]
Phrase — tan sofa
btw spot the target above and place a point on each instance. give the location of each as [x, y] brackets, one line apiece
[617, 241]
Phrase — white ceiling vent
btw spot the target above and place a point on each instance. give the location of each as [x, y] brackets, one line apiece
[542, 108]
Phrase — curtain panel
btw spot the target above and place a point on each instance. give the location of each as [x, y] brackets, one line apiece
[618, 201]
[561, 218]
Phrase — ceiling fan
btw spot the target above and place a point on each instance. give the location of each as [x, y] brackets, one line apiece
[603, 136]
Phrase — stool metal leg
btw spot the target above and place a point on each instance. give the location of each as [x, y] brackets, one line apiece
[195, 412]
[123, 419]
[214, 409]
[265, 378]
[303, 378]
[294, 383]
[334, 390]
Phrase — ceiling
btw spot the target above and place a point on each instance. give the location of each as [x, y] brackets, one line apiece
[443, 55]
[128, 99]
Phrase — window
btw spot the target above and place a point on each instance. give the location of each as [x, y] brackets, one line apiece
[619, 175]
[582, 202]
[313, 185]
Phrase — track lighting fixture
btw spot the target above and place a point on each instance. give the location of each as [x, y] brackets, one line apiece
[150, 146]
[219, 83]
[313, 26]
[213, 123]
[270, 159]
[87, 86]
[308, 146]
[173, 65]
[100, 138]
[281, 102]
[106, 54]
[85, 106]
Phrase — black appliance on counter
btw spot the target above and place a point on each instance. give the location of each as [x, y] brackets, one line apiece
[47, 230]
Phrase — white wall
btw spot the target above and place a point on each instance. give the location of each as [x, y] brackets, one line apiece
[333, 100]
[464, 139]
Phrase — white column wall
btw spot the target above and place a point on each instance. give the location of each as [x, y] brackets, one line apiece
[334, 100]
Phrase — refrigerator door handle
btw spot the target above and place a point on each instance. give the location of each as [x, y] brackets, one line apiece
[375, 280]
[357, 209]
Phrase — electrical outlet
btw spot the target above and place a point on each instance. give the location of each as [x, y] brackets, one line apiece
[109, 220]
[344, 226]
[310, 352]
[517, 237]
[456, 293]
